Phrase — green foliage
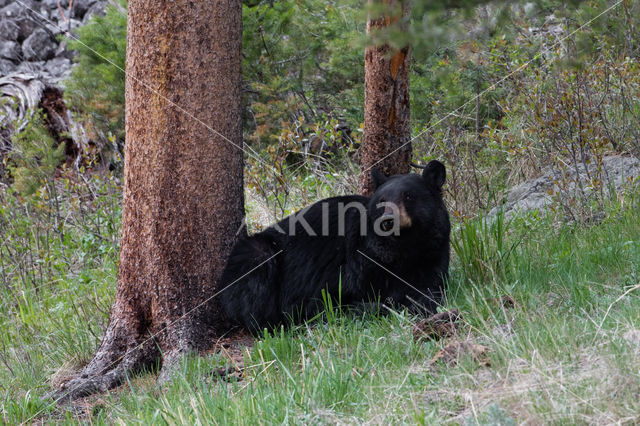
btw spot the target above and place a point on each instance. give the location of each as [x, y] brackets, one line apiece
[95, 88]
[58, 262]
[561, 345]
[551, 98]
[308, 160]
[34, 157]
[302, 60]
[558, 356]
[482, 248]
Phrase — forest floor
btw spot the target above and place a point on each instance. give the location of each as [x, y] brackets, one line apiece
[549, 331]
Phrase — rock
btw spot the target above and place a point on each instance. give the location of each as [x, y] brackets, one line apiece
[75, 23]
[97, 8]
[621, 170]
[58, 68]
[537, 194]
[9, 30]
[34, 68]
[53, 28]
[80, 7]
[31, 59]
[10, 50]
[6, 67]
[39, 46]
[531, 195]
[21, 16]
[53, 4]
[13, 10]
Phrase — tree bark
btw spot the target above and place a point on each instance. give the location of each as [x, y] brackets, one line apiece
[387, 133]
[183, 192]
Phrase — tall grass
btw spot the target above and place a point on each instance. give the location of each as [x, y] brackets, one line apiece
[559, 355]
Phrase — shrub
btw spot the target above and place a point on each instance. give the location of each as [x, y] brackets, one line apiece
[95, 88]
[34, 157]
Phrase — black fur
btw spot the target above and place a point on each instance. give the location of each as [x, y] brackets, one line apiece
[353, 267]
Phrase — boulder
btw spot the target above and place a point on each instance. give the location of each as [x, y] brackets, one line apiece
[39, 46]
[58, 68]
[22, 17]
[537, 194]
[32, 59]
[53, 4]
[80, 7]
[97, 8]
[621, 170]
[34, 68]
[10, 50]
[6, 67]
[9, 30]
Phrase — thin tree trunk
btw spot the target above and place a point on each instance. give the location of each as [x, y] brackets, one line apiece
[387, 131]
[182, 201]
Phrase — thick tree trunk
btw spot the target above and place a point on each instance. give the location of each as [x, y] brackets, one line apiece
[182, 202]
[387, 134]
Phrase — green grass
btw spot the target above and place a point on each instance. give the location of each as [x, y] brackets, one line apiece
[559, 356]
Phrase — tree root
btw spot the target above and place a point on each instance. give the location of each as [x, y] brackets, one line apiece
[107, 370]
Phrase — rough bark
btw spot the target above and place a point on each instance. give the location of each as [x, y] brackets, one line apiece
[182, 200]
[387, 133]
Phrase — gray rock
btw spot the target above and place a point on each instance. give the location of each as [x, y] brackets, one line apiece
[53, 28]
[535, 194]
[621, 170]
[80, 7]
[31, 67]
[10, 50]
[6, 67]
[58, 68]
[39, 46]
[41, 15]
[13, 10]
[75, 23]
[21, 16]
[9, 30]
[97, 9]
[53, 4]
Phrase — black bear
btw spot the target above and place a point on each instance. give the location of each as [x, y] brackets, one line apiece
[392, 248]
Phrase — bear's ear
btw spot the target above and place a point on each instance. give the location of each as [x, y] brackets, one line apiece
[377, 177]
[435, 174]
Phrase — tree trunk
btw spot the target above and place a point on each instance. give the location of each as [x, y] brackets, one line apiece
[387, 133]
[182, 201]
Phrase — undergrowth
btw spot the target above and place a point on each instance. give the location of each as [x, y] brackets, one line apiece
[562, 352]
[553, 297]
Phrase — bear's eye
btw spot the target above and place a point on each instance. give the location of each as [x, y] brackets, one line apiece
[383, 200]
[407, 196]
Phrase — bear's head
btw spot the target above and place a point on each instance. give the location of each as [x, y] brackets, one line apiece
[407, 211]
